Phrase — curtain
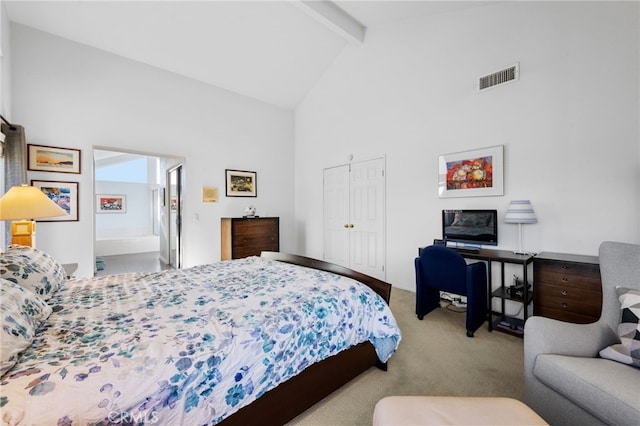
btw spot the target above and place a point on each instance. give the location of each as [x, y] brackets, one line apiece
[15, 161]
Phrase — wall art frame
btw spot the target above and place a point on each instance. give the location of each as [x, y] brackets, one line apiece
[64, 194]
[44, 158]
[111, 203]
[241, 183]
[474, 173]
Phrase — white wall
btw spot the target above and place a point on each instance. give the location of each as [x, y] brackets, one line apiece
[136, 220]
[70, 95]
[569, 126]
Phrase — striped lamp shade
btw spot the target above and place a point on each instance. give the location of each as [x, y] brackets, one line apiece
[520, 211]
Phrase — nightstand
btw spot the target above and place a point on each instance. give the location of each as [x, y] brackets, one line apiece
[69, 269]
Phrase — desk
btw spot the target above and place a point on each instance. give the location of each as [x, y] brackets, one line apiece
[501, 256]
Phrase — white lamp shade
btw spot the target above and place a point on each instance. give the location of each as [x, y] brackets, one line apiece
[27, 202]
[520, 211]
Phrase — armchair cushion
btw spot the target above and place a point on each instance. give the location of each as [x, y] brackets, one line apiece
[628, 351]
[609, 390]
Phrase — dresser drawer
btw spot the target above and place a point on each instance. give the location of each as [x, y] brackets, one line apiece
[562, 315]
[267, 242]
[567, 298]
[567, 274]
[246, 251]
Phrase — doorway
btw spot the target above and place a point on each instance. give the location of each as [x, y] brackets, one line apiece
[354, 216]
[141, 228]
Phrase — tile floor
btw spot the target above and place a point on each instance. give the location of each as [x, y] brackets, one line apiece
[139, 262]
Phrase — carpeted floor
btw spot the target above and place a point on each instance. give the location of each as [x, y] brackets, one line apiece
[435, 357]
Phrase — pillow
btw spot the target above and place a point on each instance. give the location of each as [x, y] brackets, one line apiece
[628, 350]
[21, 313]
[33, 269]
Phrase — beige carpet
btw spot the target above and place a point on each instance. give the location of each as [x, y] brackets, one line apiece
[435, 357]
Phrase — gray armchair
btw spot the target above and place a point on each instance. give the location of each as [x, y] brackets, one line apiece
[566, 382]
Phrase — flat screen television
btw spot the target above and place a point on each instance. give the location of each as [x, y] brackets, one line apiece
[470, 227]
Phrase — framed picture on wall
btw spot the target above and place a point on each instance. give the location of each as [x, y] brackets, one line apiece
[64, 194]
[111, 203]
[475, 173]
[53, 159]
[240, 183]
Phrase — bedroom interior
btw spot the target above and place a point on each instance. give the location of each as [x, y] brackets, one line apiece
[289, 90]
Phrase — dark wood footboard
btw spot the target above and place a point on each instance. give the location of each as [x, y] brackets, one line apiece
[293, 397]
[297, 394]
[379, 286]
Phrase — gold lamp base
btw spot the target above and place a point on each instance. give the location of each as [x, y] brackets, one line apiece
[23, 232]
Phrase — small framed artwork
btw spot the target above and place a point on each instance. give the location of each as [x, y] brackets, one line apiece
[209, 194]
[111, 203]
[475, 173]
[240, 183]
[52, 159]
[64, 194]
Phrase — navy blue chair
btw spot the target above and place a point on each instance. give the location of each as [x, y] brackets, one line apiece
[443, 269]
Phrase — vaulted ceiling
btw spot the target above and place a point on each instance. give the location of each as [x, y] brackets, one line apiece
[273, 51]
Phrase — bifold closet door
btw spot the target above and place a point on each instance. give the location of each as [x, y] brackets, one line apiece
[354, 222]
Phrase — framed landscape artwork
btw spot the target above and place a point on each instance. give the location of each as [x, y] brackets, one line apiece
[475, 173]
[111, 203]
[240, 183]
[64, 194]
[52, 159]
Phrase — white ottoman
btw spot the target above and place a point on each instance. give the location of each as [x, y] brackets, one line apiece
[451, 410]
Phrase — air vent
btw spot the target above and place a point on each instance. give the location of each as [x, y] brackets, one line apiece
[500, 77]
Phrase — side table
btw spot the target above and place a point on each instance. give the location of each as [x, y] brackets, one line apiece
[69, 269]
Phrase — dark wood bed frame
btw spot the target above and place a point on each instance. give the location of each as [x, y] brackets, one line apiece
[297, 394]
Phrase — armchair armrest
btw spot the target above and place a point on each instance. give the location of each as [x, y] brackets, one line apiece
[548, 336]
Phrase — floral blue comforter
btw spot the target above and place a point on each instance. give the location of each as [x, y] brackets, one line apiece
[189, 346]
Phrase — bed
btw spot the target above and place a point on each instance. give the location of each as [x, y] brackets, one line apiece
[246, 341]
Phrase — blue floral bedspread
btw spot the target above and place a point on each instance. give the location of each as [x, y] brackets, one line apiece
[186, 347]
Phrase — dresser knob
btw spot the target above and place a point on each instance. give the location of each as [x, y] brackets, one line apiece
[565, 267]
[565, 292]
[564, 305]
[564, 280]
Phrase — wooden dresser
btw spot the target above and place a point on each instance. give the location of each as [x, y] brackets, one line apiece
[243, 236]
[567, 287]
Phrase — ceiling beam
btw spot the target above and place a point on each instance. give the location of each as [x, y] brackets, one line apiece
[333, 17]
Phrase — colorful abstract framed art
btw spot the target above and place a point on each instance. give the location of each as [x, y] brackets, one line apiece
[111, 203]
[475, 173]
[64, 194]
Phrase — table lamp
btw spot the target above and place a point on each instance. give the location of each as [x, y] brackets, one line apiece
[520, 211]
[22, 204]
